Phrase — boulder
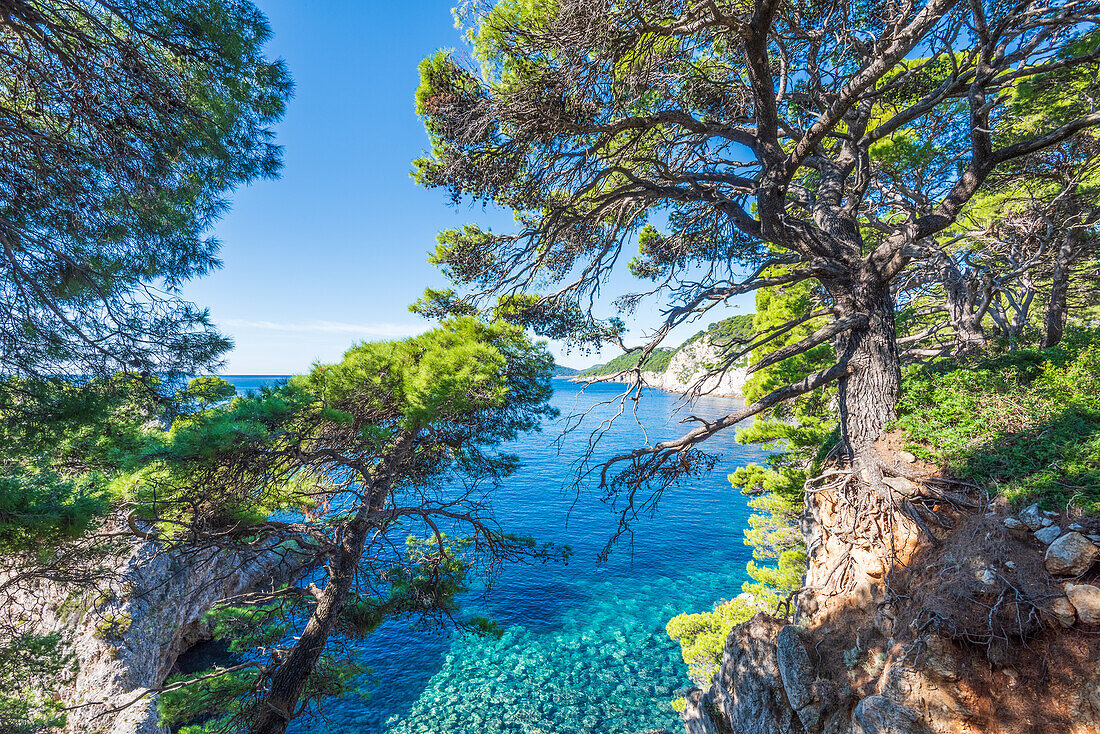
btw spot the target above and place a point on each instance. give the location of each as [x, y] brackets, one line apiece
[902, 486]
[1070, 555]
[1013, 524]
[1064, 611]
[1086, 600]
[1049, 534]
[907, 457]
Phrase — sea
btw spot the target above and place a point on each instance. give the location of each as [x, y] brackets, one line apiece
[584, 647]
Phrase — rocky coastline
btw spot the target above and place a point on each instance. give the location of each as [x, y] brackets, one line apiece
[127, 631]
[688, 372]
[987, 624]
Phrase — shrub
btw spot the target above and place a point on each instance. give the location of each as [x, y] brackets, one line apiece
[1025, 424]
[703, 636]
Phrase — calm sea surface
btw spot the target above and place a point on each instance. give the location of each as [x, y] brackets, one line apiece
[584, 647]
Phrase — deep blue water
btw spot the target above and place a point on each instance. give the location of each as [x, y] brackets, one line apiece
[584, 647]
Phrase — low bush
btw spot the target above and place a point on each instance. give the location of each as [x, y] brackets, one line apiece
[1024, 424]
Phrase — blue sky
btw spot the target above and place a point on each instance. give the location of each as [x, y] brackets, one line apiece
[335, 250]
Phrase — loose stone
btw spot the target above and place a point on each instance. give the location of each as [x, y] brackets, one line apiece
[1064, 611]
[1070, 555]
[1031, 517]
[1086, 600]
[1049, 534]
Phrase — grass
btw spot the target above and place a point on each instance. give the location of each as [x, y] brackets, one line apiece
[1025, 424]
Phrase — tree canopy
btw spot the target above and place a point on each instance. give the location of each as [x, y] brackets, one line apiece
[399, 439]
[767, 144]
[125, 125]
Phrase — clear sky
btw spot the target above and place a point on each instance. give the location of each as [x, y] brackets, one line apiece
[335, 250]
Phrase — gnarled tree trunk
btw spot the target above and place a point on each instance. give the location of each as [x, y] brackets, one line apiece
[869, 392]
[963, 311]
[1058, 309]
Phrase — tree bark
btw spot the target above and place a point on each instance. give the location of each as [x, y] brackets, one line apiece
[290, 678]
[869, 392]
[960, 297]
[1058, 309]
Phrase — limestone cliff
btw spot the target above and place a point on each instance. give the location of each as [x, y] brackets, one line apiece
[692, 364]
[688, 370]
[128, 631]
[931, 610]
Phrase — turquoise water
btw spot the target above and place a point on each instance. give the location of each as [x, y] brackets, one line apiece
[584, 648]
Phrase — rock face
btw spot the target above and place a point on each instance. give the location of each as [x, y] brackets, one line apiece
[1070, 555]
[882, 715]
[687, 367]
[748, 691]
[900, 629]
[127, 633]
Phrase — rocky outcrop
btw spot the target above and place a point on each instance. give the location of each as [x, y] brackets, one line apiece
[925, 612]
[689, 372]
[128, 631]
[748, 693]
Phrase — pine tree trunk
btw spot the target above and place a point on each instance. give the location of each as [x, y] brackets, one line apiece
[289, 682]
[1059, 295]
[292, 675]
[869, 393]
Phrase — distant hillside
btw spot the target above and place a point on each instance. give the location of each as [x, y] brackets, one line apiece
[560, 371]
[717, 334]
[722, 332]
[657, 362]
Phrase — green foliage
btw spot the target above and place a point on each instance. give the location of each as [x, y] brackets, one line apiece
[797, 436]
[31, 667]
[61, 442]
[658, 361]
[203, 698]
[109, 205]
[204, 392]
[77, 427]
[796, 433]
[43, 510]
[408, 415]
[1025, 423]
[702, 636]
[734, 329]
[545, 316]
